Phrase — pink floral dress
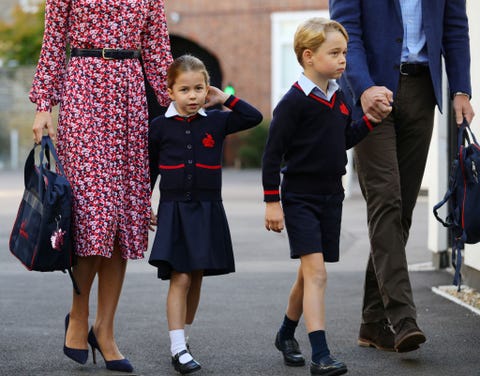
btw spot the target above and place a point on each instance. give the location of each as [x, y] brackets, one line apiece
[103, 122]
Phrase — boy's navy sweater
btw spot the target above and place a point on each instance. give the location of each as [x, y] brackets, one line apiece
[187, 151]
[310, 136]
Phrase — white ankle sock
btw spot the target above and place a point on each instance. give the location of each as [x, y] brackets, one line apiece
[177, 344]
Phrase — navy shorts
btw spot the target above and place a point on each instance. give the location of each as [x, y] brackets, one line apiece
[313, 223]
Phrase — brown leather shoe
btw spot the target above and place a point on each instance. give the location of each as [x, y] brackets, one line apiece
[377, 334]
[408, 335]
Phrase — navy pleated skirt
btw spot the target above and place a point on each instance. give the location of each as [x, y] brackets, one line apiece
[192, 236]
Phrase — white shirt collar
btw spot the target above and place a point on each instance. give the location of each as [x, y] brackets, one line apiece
[308, 87]
[172, 111]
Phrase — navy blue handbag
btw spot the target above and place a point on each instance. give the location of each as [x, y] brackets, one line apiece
[463, 197]
[41, 235]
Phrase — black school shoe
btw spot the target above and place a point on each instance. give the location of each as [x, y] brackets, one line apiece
[328, 366]
[189, 367]
[291, 351]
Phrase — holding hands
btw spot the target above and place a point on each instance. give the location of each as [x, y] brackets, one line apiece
[377, 103]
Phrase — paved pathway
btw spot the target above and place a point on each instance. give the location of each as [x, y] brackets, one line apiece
[239, 313]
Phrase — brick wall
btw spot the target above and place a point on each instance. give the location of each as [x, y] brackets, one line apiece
[238, 34]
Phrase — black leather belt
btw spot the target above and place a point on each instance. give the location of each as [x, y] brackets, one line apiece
[105, 53]
[411, 69]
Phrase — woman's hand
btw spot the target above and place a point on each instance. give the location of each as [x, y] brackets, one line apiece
[215, 96]
[274, 216]
[153, 221]
[43, 120]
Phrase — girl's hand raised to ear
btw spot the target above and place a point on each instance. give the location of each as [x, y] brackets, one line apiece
[215, 96]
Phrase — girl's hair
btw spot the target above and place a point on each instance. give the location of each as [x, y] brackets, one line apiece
[186, 63]
[312, 33]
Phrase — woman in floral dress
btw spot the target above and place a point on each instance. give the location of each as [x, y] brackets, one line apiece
[102, 144]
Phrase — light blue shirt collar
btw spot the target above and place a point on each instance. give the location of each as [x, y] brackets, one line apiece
[172, 111]
[308, 87]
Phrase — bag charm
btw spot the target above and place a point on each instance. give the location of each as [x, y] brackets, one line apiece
[57, 237]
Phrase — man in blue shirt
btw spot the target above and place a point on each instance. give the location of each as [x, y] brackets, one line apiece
[395, 52]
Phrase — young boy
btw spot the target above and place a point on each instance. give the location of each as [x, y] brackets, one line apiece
[310, 131]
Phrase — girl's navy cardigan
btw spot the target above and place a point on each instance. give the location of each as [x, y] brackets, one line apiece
[309, 135]
[187, 151]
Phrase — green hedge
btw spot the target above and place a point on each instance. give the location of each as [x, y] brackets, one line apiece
[252, 143]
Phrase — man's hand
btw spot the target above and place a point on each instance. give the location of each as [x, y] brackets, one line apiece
[43, 120]
[376, 103]
[274, 216]
[462, 108]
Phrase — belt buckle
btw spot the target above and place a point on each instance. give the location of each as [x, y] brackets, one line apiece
[402, 71]
[106, 50]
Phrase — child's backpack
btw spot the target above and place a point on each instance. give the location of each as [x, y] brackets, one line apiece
[463, 195]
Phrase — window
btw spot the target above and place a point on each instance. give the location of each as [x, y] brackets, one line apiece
[285, 67]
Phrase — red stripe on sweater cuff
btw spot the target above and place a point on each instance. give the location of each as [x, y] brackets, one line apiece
[367, 122]
[233, 102]
[275, 192]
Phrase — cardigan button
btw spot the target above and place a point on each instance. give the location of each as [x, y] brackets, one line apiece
[190, 161]
[189, 146]
[187, 131]
[189, 177]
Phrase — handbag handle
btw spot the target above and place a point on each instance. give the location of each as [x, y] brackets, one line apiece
[464, 134]
[47, 147]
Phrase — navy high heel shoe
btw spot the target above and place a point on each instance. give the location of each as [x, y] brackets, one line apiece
[80, 356]
[121, 365]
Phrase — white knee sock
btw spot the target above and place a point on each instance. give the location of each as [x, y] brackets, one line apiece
[177, 344]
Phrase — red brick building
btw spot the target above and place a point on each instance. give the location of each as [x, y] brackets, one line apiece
[236, 40]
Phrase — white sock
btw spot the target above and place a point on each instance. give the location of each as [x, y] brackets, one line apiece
[177, 344]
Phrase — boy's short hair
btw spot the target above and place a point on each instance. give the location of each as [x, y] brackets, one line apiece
[312, 33]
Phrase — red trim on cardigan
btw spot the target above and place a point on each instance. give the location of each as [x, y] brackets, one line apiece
[170, 167]
[187, 119]
[234, 102]
[210, 167]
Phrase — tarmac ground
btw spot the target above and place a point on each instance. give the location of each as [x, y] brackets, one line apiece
[239, 313]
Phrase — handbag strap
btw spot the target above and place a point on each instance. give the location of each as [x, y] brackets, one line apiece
[464, 134]
[47, 147]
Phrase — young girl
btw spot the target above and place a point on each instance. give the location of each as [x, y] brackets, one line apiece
[193, 238]
[310, 131]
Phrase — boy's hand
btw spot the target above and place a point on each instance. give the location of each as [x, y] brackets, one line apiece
[153, 221]
[215, 96]
[274, 216]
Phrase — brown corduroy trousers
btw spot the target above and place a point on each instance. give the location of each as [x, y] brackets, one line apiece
[390, 163]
